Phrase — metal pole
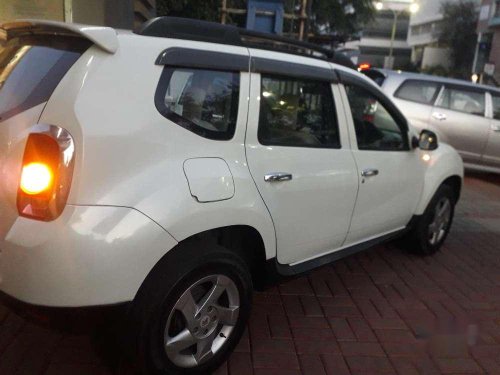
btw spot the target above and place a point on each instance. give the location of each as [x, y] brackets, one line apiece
[224, 12]
[68, 10]
[393, 35]
[302, 19]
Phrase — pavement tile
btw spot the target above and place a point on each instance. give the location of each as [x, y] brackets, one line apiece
[458, 366]
[370, 365]
[370, 349]
[311, 364]
[283, 361]
[335, 365]
[317, 347]
[240, 363]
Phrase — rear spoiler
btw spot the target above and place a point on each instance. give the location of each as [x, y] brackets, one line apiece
[103, 37]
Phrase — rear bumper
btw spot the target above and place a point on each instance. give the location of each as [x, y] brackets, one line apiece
[90, 256]
[69, 319]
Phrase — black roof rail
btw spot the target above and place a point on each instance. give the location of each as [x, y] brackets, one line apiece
[204, 31]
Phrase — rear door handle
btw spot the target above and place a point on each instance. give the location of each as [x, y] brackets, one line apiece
[369, 172]
[495, 128]
[278, 177]
[439, 116]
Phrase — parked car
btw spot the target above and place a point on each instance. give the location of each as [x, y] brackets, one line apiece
[176, 168]
[461, 113]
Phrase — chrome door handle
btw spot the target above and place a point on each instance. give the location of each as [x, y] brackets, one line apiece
[495, 128]
[277, 177]
[439, 116]
[369, 173]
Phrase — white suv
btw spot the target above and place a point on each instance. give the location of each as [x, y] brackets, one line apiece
[177, 167]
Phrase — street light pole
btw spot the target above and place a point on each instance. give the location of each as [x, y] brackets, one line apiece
[404, 5]
[393, 34]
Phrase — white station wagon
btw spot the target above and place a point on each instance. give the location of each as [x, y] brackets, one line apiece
[176, 168]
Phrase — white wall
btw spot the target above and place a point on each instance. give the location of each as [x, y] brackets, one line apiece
[42, 9]
[436, 56]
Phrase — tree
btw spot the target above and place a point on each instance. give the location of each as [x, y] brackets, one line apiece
[343, 17]
[458, 33]
[199, 9]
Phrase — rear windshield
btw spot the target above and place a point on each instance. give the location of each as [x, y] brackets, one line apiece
[31, 68]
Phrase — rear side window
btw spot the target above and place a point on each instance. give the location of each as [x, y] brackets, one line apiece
[202, 101]
[32, 67]
[418, 91]
[297, 113]
[496, 106]
[463, 100]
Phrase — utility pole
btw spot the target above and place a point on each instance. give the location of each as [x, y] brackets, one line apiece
[303, 18]
[393, 35]
[224, 12]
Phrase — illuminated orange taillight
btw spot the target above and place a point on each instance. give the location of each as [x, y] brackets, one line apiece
[364, 66]
[36, 178]
[46, 173]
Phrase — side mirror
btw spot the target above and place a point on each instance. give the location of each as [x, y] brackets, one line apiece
[428, 140]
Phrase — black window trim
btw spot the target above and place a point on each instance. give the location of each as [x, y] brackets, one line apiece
[494, 94]
[400, 119]
[159, 99]
[459, 87]
[431, 102]
[295, 70]
[278, 144]
[202, 59]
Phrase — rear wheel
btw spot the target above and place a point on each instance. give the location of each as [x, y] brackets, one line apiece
[432, 228]
[192, 310]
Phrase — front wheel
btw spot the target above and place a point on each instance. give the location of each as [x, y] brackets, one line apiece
[432, 228]
[192, 310]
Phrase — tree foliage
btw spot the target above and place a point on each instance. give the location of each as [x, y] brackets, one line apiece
[341, 17]
[458, 33]
[325, 16]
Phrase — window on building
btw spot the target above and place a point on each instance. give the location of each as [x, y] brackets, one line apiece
[297, 113]
[497, 9]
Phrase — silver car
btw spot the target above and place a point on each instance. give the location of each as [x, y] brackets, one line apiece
[462, 114]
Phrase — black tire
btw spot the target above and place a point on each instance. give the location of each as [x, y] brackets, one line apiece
[153, 306]
[420, 240]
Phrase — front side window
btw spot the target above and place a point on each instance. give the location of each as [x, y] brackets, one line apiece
[376, 129]
[496, 106]
[202, 101]
[297, 113]
[418, 91]
[463, 100]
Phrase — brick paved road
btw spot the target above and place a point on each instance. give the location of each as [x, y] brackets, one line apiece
[382, 311]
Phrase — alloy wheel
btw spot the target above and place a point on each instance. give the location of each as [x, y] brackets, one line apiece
[441, 220]
[201, 321]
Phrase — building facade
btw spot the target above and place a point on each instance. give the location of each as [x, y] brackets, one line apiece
[125, 14]
[487, 58]
[423, 36]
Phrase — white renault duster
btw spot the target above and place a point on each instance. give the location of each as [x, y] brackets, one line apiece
[177, 167]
